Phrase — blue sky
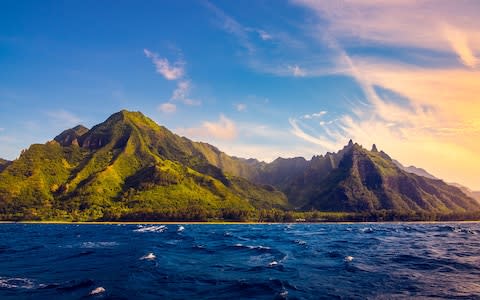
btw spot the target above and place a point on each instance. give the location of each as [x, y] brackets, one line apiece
[256, 78]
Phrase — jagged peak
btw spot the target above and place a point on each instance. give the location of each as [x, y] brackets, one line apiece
[350, 143]
[374, 148]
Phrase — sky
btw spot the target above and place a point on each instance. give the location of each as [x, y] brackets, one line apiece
[258, 79]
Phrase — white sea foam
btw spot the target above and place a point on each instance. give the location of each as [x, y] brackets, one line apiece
[98, 290]
[180, 228]
[348, 258]
[273, 263]
[91, 245]
[283, 294]
[155, 228]
[259, 247]
[18, 283]
[149, 256]
[367, 230]
[300, 242]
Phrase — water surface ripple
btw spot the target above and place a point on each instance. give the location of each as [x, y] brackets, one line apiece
[280, 261]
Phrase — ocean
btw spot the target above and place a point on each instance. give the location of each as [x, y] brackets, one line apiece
[247, 261]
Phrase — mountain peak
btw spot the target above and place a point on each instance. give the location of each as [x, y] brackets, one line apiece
[70, 136]
[350, 143]
[374, 148]
[124, 115]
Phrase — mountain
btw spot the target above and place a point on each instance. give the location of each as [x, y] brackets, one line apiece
[474, 194]
[129, 167]
[71, 136]
[414, 170]
[421, 172]
[355, 180]
[3, 164]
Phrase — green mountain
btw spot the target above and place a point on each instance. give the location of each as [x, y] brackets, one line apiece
[357, 180]
[3, 164]
[129, 167]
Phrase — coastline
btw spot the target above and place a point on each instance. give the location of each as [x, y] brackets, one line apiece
[226, 222]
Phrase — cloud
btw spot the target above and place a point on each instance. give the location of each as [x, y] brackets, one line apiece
[315, 115]
[297, 71]
[241, 107]
[167, 107]
[231, 26]
[264, 35]
[2, 129]
[223, 129]
[459, 43]
[182, 93]
[416, 24]
[436, 120]
[421, 105]
[63, 118]
[163, 66]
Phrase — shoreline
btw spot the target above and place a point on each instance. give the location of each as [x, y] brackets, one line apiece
[224, 223]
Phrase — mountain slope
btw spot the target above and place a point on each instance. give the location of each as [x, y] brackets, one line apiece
[414, 170]
[421, 172]
[3, 164]
[127, 166]
[357, 180]
[130, 168]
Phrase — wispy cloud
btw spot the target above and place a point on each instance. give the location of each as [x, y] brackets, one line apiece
[315, 115]
[231, 26]
[426, 112]
[223, 129]
[297, 71]
[264, 35]
[276, 59]
[167, 107]
[459, 42]
[182, 93]
[432, 25]
[241, 107]
[163, 66]
[176, 72]
[62, 118]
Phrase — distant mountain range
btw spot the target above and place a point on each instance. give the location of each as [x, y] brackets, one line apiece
[421, 172]
[130, 168]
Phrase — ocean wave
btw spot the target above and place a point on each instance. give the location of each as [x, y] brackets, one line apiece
[149, 256]
[94, 245]
[97, 291]
[259, 247]
[154, 228]
[300, 242]
[18, 283]
[367, 230]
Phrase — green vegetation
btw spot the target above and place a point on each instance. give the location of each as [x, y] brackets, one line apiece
[128, 168]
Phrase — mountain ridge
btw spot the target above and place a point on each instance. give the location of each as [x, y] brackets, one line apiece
[130, 168]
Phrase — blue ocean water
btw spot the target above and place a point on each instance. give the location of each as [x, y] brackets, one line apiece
[280, 261]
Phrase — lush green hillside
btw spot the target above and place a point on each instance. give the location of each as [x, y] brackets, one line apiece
[358, 180]
[128, 167]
